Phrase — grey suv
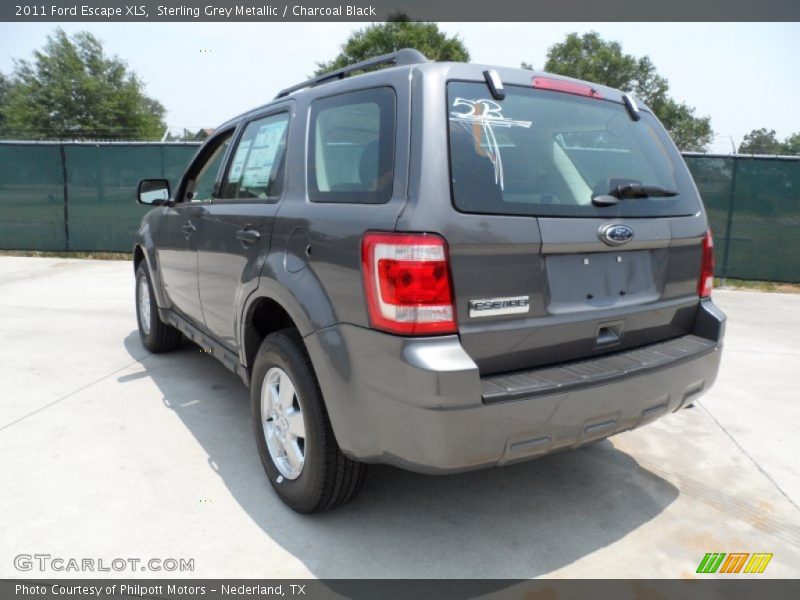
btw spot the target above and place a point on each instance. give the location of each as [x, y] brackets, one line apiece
[440, 266]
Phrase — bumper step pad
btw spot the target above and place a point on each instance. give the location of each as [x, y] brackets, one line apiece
[544, 381]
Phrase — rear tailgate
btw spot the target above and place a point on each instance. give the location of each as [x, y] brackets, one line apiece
[538, 278]
[521, 305]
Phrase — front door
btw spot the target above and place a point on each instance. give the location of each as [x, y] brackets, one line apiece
[236, 227]
[180, 222]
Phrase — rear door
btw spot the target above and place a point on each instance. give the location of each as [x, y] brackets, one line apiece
[236, 227]
[541, 274]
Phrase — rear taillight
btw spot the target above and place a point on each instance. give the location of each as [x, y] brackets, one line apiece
[706, 282]
[407, 283]
[568, 87]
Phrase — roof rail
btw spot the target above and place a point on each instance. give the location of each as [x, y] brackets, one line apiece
[405, 56]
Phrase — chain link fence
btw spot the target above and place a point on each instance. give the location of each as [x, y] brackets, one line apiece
[80, 197]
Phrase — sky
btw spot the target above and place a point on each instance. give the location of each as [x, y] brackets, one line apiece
[743, 75]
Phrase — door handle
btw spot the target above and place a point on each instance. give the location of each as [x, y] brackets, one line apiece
[188, 229]
[248, 236]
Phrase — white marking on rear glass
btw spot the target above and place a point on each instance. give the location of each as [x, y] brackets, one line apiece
[484, 114]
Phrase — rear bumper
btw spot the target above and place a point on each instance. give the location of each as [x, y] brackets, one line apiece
[421, 404]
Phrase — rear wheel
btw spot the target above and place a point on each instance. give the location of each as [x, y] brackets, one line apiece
[295, 441]
[156, 335]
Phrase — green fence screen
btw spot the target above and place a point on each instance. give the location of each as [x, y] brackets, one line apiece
[80, 197]
[31, 198]
[753, 204]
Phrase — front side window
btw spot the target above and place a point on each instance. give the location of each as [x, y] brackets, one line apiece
[256, 170]
[200, 184]
[351, 147]
[542, 152]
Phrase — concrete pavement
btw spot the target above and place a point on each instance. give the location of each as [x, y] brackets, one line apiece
[111, 452]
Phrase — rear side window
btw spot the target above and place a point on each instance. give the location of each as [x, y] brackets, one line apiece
[541, 152]
[256, 170]
[351, 147]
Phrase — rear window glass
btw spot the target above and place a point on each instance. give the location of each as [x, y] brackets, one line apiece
[540, 152]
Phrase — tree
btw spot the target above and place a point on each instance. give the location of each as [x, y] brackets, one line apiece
[760, 141]
[765, 141]
[72, 90]
[187, 135]
[791, 145]
[4, 87]
[594, 59]
[399, 32]
[690, 133]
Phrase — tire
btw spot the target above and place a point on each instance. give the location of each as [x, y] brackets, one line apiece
[326, 478]
[156, 335]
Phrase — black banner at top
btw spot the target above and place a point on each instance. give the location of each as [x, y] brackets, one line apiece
[380, 10]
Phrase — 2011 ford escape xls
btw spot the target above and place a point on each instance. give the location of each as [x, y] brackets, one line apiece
[440, 266]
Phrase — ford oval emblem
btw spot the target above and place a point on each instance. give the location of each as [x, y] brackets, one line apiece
[614, 234]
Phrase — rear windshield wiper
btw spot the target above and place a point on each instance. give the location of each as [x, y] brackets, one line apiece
[632, 191]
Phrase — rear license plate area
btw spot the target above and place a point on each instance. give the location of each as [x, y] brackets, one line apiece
[590, 281]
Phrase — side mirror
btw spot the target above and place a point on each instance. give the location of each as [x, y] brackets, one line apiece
[154, 192]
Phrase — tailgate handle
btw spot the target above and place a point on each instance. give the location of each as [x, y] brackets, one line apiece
[609, 333]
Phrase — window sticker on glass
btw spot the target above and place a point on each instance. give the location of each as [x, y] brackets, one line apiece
[256, 166]
[259, 167]
[270, 134]
[238, 161]
[263, 155]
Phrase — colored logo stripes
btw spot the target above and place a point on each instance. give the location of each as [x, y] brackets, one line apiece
[735, 562]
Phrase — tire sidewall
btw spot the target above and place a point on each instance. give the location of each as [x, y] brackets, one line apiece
[142, 274]
[281, 350]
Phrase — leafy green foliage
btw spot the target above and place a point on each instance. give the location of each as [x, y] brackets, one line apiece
[399, 32]
[765, 141]
[690, 133]
[760, 141]
[4, 87]
[592, 58]
[72, 90]
[187, 135]
[791, 145]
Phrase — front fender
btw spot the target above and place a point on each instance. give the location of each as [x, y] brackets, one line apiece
[144, 239]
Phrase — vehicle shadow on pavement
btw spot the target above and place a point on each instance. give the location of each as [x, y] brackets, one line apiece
[518, 521]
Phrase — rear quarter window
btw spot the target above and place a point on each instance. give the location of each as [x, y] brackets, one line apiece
[351, 147]
[541, 152]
